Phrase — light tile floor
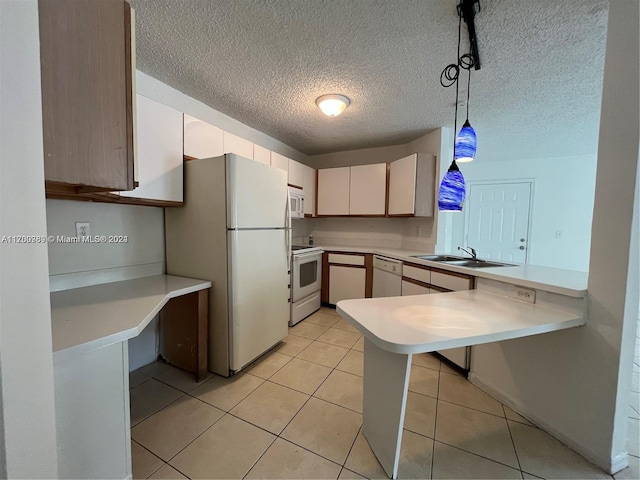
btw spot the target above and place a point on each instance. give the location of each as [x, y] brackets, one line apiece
[297, 413]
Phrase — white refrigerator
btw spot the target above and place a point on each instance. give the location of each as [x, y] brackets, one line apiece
[234, 230]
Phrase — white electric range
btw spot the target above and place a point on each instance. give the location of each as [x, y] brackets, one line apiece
[306, 282]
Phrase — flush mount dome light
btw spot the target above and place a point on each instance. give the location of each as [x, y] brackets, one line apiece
[332, 105]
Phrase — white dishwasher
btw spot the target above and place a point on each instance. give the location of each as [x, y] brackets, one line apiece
[387, 277]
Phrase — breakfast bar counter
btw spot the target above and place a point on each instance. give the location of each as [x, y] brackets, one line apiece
[394, 328]
[90, 328]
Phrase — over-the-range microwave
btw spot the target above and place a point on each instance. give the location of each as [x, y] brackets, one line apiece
[296, 196]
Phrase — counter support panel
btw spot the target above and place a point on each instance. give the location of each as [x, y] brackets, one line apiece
[386, 382]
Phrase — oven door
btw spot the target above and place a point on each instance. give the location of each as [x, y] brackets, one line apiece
[307, 274]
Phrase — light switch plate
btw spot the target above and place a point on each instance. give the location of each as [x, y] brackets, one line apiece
[524, 294]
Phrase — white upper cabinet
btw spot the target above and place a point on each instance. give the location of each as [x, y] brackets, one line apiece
[412, 185]
[279, 161]
[367, 190]
[296, 174]
[309, 189]
[237, 145]
[261, 154]
[201, 140]
[333, 191]
[159, 156]
[402, 186]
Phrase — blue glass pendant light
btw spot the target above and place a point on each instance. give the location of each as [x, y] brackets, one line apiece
[466, 140]
[452, 190]
[466, 143]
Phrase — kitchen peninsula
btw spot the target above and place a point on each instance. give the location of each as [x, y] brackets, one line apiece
[397, 327]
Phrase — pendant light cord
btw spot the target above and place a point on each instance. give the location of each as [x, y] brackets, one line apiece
[468, 92]
[455, 119]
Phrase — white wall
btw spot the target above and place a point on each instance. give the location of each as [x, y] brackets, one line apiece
[160, 92]
[143, 226]
[563, 189]
[28, 443]
[575, 383]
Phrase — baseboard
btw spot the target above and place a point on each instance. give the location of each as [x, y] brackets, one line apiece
[609, 465]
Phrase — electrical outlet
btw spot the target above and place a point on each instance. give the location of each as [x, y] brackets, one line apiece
[525, 294]
[83, 229]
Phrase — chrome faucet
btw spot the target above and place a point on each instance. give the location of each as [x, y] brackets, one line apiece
[472, 252]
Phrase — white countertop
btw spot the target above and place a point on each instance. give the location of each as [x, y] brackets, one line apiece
[425, 323]
[99, 315]
[556, 280]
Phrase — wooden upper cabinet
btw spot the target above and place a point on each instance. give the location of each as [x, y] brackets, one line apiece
[368, 189]
[87, 95]
[412, 185]
[201, 140]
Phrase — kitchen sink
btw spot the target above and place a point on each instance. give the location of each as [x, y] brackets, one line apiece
[471, 263]
[439, 258]
[462, 261]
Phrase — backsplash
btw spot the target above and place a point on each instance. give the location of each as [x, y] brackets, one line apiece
[139, 250]
[405, 233]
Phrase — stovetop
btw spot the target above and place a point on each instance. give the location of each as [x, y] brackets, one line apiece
[304, 249]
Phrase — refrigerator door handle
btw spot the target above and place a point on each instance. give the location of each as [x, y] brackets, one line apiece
[287, 223]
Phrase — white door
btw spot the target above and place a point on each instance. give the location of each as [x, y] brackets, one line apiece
[258, 292]
[497, 220]
[256, 194]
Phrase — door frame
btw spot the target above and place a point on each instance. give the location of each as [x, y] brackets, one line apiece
[530, 181]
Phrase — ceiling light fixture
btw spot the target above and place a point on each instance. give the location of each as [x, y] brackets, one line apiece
[452, 191]
[332, 105]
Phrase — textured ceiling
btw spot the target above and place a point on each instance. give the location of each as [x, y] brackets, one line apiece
[264, 62]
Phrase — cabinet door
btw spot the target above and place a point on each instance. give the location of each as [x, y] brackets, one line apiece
[402, 186]
[409, 288]
[346, 283]
[296, 174]
[201, 140]
[87, 95]
[261, 154]
[159, 140]
[279, 161]
[237, 145]
[367, 191]
[333, 191]
[309, 188]
[451, 282]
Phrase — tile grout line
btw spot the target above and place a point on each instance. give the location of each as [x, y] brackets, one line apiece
[435, 423]
[513, 443]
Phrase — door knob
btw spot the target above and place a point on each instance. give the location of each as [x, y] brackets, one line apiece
[521, 247]
[522, 239]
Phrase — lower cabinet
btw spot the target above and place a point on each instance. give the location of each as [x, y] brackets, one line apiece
[346, 275]
[92, 412]
[346, 283]
[420, 280]
[410, 288]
